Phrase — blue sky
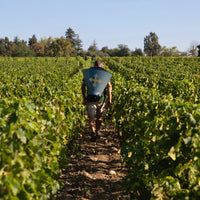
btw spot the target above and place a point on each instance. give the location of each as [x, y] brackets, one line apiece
[108, 22]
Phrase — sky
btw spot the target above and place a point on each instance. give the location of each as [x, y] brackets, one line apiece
[107, 22]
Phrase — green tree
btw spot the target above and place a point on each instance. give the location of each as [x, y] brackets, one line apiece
[182, 54]
[75, 40]
[167, 52]
[78, 44]
[12, 48]
[104, 51]
[174, 51]
[93, 50]
[38, 49]
[7, 48]
[22, 50]
[3, 49]
[151, 45]
[47, 43]
[114, 52]
[60, 47]
[193, 50]
[137, 52]
[123, 50]
[32, 40]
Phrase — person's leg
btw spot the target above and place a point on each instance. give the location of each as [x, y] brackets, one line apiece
[91, 111]
[92, 125]
[99, 117]
[98, 125]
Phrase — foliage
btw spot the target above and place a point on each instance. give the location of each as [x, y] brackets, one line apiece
[137, 52]
[123, 50]
[32, 40]
[167, 52]
[151, 45]
[14, 49]
[39, 108]
[156, 109]
[193, 49]
[75, 40]
[71, 45]
[38, 49]
[159, 125]
[93, 50]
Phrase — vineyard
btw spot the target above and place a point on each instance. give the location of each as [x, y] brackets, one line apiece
[155, 110]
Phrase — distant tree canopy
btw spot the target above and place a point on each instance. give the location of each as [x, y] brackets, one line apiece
[168, 52]
[137, 52]
[193, 49]
[93, 50]
[151, 45]
[14, 48]
[32, 40]
[71, 45]
[57, 47]
[74, 39]
[123, 50]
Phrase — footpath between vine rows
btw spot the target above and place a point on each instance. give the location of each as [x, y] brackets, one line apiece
[94, 170]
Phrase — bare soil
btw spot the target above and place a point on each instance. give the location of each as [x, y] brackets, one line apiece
[94, 170]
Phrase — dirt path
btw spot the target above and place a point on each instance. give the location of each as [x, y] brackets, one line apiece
[95, 170]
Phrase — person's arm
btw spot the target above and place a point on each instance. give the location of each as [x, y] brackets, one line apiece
[109, 94]
[83, 92]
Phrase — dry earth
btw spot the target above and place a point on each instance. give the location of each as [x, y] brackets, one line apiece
[94, 171]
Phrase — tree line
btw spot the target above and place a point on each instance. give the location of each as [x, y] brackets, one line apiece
[71, 45]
